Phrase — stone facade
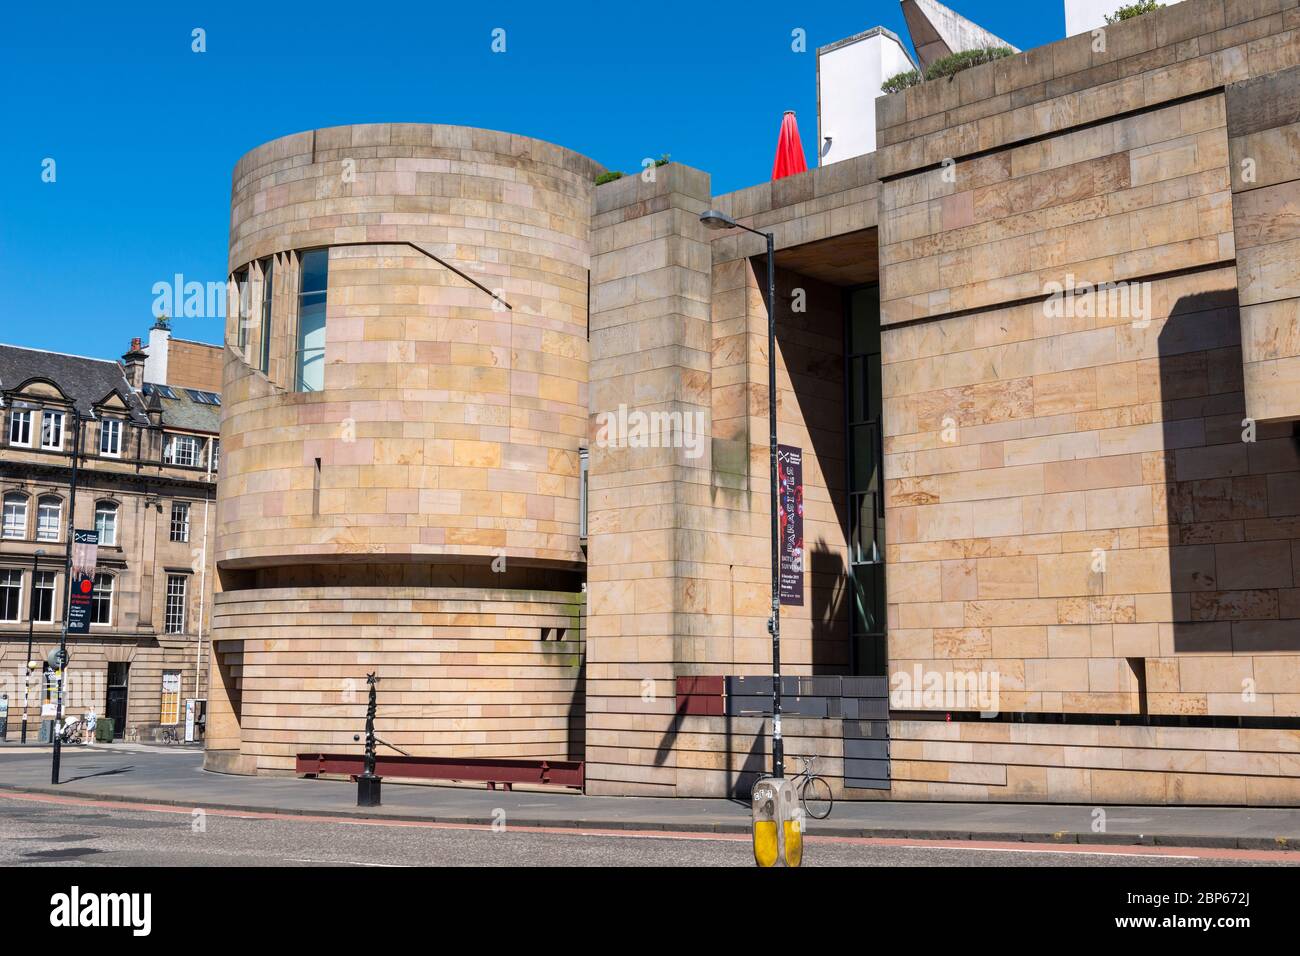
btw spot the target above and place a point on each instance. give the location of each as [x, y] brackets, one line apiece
[1088, 496]
[159, 505]
[441, 450]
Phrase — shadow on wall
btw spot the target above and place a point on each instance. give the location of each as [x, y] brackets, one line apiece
[830, 631]
[1231, 501]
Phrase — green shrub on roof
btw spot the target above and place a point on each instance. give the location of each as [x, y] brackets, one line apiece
[956, 62]
[1133, 10]
[901, 81]
[950, 65]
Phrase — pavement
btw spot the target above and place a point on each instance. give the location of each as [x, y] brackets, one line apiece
[173, 776]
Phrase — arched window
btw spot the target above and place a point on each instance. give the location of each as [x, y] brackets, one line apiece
[15, 515]
[49, 518]
[101, 599]
[106, 523]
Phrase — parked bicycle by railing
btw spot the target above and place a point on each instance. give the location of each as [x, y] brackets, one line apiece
[814, 792]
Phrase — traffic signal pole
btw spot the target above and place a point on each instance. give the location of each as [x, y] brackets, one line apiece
[67, 596]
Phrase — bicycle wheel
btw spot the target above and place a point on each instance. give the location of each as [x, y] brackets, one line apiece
[815, 795]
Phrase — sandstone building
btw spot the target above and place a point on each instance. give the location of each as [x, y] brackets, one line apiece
[148, 452]
[1087, 501]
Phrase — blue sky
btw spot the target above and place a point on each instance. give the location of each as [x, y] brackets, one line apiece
[144, 132]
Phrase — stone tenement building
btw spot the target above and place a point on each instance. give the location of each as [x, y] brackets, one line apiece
[1062, 525]
[145, 484]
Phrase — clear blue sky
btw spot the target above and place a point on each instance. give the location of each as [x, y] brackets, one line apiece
[145, 132]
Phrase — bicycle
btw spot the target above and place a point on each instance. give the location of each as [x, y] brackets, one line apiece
[814, 792]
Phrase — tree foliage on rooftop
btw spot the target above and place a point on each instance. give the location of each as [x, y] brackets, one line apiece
[1133, 10]
[949, 65]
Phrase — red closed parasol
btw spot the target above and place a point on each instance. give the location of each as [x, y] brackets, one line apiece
[789, 150]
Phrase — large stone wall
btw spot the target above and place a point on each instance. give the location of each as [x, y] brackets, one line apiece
[450, 420]
[442, 452]
[1076, 503]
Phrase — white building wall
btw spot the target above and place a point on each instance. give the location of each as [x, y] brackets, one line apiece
[1084, 16]
[849, 74]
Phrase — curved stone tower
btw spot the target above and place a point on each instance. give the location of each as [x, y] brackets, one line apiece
[405, 397]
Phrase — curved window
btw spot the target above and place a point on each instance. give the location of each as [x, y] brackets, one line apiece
[15, 515]
[101, 600]
[49, 516]
[268, 285]
[310, 357]
[106, 523]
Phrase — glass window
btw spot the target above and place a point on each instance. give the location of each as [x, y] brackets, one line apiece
[583, 456]
[165, 391]
[181, 450]
[20, 427]
[11, 594]
[174, 618]
[268, 284]
[43, 598]
[52, 430]
[49, 514]
[314, 270]
[15, 515]
[106, 523]
[866, 503]
[180, 521]
[110, 438]
[171, 697]
[214, 449]
[101, 600]
[244, 317]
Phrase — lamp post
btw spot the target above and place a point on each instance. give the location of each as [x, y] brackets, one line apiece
[712, 219]
[67, 596]
[31, 623]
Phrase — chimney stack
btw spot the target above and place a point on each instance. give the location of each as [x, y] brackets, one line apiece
[133, 363]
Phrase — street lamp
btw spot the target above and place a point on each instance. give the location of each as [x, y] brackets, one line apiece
[712, 219]
[31, 623]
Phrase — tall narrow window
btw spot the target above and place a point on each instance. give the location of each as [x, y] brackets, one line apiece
[106, 523]
[268, 279]
[180, 521]
[43, 598]
[49, 513]
[52, 431]
[20, 427]
[583, 456]
[15, 515]
[174, 619]
[110, 438]
[310, 356]
[244, 293]
[11, 595]
[101, 600]
[866, 499]
[171, 698]
[214, 454]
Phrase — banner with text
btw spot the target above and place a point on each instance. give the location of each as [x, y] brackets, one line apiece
[789, 482]
[85, 554]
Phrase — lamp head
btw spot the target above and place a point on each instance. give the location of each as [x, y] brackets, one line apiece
[713, 219]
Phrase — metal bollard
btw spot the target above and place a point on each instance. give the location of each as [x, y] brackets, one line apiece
[778, 823]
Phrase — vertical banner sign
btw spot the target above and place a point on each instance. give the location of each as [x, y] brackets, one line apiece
[789, 483]
[85, 553]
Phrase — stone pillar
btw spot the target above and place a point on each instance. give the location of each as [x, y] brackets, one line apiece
[1264, 140]
[650, 369]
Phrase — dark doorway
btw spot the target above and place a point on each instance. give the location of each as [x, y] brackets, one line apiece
[117, 692]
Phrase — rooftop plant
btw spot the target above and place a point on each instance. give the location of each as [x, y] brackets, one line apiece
[950, 65]
[1133, 10]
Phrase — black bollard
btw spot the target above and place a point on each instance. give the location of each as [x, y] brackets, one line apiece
[368, 782]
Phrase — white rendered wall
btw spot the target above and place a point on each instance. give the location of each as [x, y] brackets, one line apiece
[1084, 16]
[849, 78]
